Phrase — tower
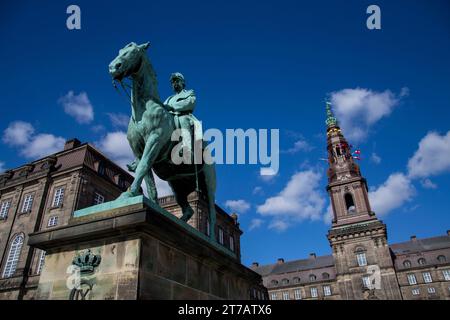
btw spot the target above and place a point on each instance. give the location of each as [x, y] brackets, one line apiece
[364, 266]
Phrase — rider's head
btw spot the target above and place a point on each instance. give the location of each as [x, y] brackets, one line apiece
[177, 80]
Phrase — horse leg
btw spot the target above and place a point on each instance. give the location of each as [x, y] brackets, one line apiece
[209, 173]
[151, 150]
[181, 199]
[151, 186]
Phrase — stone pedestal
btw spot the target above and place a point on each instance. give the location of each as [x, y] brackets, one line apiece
[134, 250]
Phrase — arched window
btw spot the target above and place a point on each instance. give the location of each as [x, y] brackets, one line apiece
[13, 256]
[296, 280]
[407, 263]
[274, 282]
[312, 277]
[441, 258]
[349, 203]
[422, 261]
[285, 281]
[325, 275]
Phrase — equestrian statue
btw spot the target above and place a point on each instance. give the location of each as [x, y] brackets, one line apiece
[150, 130]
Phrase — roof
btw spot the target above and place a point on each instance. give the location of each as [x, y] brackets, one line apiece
[296, 265]
[419, 245]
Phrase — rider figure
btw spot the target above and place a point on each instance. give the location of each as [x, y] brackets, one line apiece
[182, 104]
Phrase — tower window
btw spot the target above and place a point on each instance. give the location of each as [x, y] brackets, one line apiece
[361, 259]
[349, 203]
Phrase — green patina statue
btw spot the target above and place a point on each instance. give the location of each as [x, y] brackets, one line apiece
[150, 129]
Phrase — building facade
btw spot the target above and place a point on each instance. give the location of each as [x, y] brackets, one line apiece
[44, 194]
[362, 265]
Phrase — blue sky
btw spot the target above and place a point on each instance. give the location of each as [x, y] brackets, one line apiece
[253, 64]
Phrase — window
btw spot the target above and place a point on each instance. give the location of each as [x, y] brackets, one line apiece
[446, 274]
[366, 282]
[412, 279]
[58, 197]
[273, 296]
[27, 203]
[285, 295]
[427, 277]
[441, 258]
[98, 198]
[274, 282]
[431, 290]
[13, 256]
[296, 280]
[53, 221]
[407, 264]
[312, 277]
[101, 168]
[314, 292]
[415, 292]
[349, 203]
[208, 230]
[4, 208]
[361, 258]
[232, 243]
[297, 294]
[285, 281]
[421, 261]
[327, 290]
[325, 275]
[220, 235]
[41, 262]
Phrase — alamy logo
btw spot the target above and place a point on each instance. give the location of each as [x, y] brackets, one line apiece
[73, 21]
[374, 274]
[374, 20]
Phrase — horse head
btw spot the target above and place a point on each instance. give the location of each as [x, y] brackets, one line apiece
[128, 61]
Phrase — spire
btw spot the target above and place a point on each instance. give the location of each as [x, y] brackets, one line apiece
[331, 119]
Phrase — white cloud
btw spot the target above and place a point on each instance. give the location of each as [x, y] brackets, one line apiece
[258, 190]
[392, 194]
[21, 134]
[18, 133]
[357, 110]
[42, 145]
[375, 158]
[255, 223]
[239, 206]
[2, 166]
[432, 157]
[119, 120]
[300, 199]
[279, 225]
[428, 184]
[328, 216]
[299, 145]
[78, 106]
[116, 146]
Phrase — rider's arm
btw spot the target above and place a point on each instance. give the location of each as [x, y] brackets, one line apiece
[185, 104]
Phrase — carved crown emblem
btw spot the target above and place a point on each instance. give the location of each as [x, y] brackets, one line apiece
[87, 261]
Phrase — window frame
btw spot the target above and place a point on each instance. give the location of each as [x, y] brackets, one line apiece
[4, 208]
[427, 278]
[285, 295]
[52, 221]
[232, 245]
[14, 252]
[327, 290]
[363, 261]
[98, 195]
[411, 276]
[446, 274]
[221, 235]
[297, 294]
[27, 203]
[41, 262]
[58, 198]
[316, 292]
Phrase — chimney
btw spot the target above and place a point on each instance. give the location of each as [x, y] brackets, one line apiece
[413, 238]
[72, 143]
[312, 255]
[255, 265]
[280, 261]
